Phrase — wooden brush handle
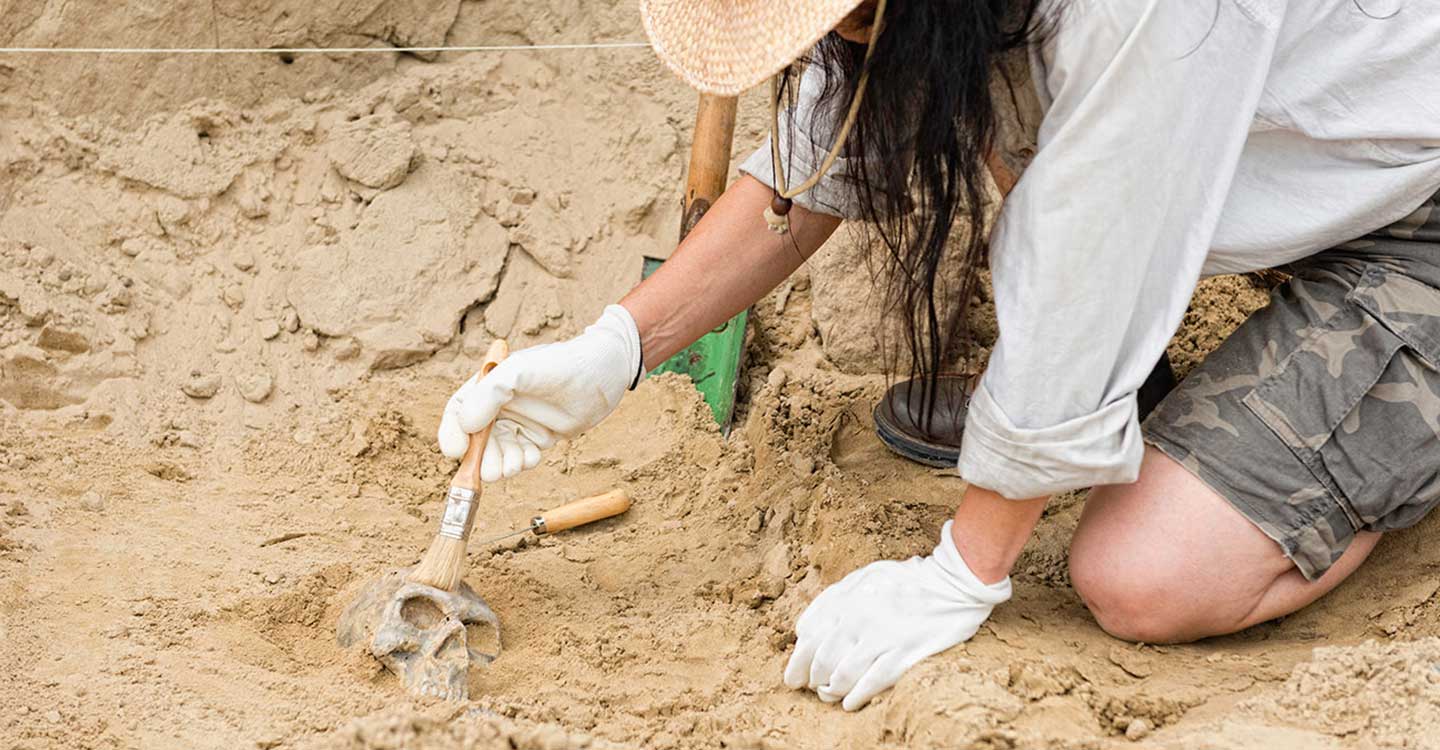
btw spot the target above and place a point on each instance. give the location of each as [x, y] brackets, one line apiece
[581, 512]
[468, 475]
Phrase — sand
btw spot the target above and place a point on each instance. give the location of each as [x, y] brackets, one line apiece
[233, 297]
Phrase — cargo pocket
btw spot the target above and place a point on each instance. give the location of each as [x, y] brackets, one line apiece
[1309, 393]
[1408, 308]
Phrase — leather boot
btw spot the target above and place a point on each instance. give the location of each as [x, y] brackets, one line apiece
[935, 441]
[903, 426]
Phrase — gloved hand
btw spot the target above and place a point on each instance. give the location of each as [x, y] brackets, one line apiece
[860, 635]
[544, 393]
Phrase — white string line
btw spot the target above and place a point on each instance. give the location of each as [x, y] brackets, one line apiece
[304, 50]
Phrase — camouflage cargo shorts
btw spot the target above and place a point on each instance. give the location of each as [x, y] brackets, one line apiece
[1320, 416]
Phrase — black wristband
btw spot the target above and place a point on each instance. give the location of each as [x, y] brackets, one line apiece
[639, 371]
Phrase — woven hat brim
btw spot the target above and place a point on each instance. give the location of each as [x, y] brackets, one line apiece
[724, 47]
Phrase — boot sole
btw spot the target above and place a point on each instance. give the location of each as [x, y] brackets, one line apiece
[915, 449]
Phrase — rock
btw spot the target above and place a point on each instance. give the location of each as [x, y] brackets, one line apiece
[53, 716]
[1137, 729]
[201, 386]
[188, 439]
[255, 387]
[347, 349]
[804, 465]
[405, 94]
[55, 339]
[243, 260]
[547, 235]
[1134, 662]
[373, 151]
[92, 501]
[95, 284]
[115, 298]
[253, 205]
[776, 563]
[268, 329]
[847, 304]
[252, 197]
[778, 377]
[772, 588]
[233, 295]
[168, 471]
[756, 522]
[35, 310]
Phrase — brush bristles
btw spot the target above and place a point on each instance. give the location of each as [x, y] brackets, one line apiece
[443, 565]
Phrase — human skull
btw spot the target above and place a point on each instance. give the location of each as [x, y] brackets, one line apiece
[426, 636]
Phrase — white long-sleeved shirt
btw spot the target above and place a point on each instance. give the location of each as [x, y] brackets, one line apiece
[1179, 139]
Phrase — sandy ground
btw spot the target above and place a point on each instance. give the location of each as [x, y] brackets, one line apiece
[234, 297]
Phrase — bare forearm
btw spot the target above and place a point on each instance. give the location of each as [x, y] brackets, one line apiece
[730, 260]
[990, 530]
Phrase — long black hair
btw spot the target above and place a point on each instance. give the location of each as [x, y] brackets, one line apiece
[918, 151]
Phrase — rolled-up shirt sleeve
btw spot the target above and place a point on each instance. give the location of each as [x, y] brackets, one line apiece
[807, 133]
[1100, 245]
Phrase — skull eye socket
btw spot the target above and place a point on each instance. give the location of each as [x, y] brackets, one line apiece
[482, 638]
[421, 612]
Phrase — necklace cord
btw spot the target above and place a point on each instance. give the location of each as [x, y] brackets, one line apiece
[850, 117]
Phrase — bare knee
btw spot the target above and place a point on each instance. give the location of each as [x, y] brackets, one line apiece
[1138, 595]
[1120, 603]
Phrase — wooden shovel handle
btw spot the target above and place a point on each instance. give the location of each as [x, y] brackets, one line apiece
[468, 475]
[581, 512]
[710, 148]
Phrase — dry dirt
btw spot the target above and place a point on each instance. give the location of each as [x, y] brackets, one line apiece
[233, 297]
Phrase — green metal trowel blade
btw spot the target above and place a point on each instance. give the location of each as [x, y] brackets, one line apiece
[712, 363]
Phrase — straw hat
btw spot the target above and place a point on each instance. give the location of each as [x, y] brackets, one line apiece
[726, 46]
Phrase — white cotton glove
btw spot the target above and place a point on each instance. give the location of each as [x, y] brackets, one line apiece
[861, 634]
[544, 393]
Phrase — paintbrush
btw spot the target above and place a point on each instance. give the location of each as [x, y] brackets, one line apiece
[444, 563]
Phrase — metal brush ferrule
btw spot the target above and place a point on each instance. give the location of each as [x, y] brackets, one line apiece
[537, 525]
[459, 510]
